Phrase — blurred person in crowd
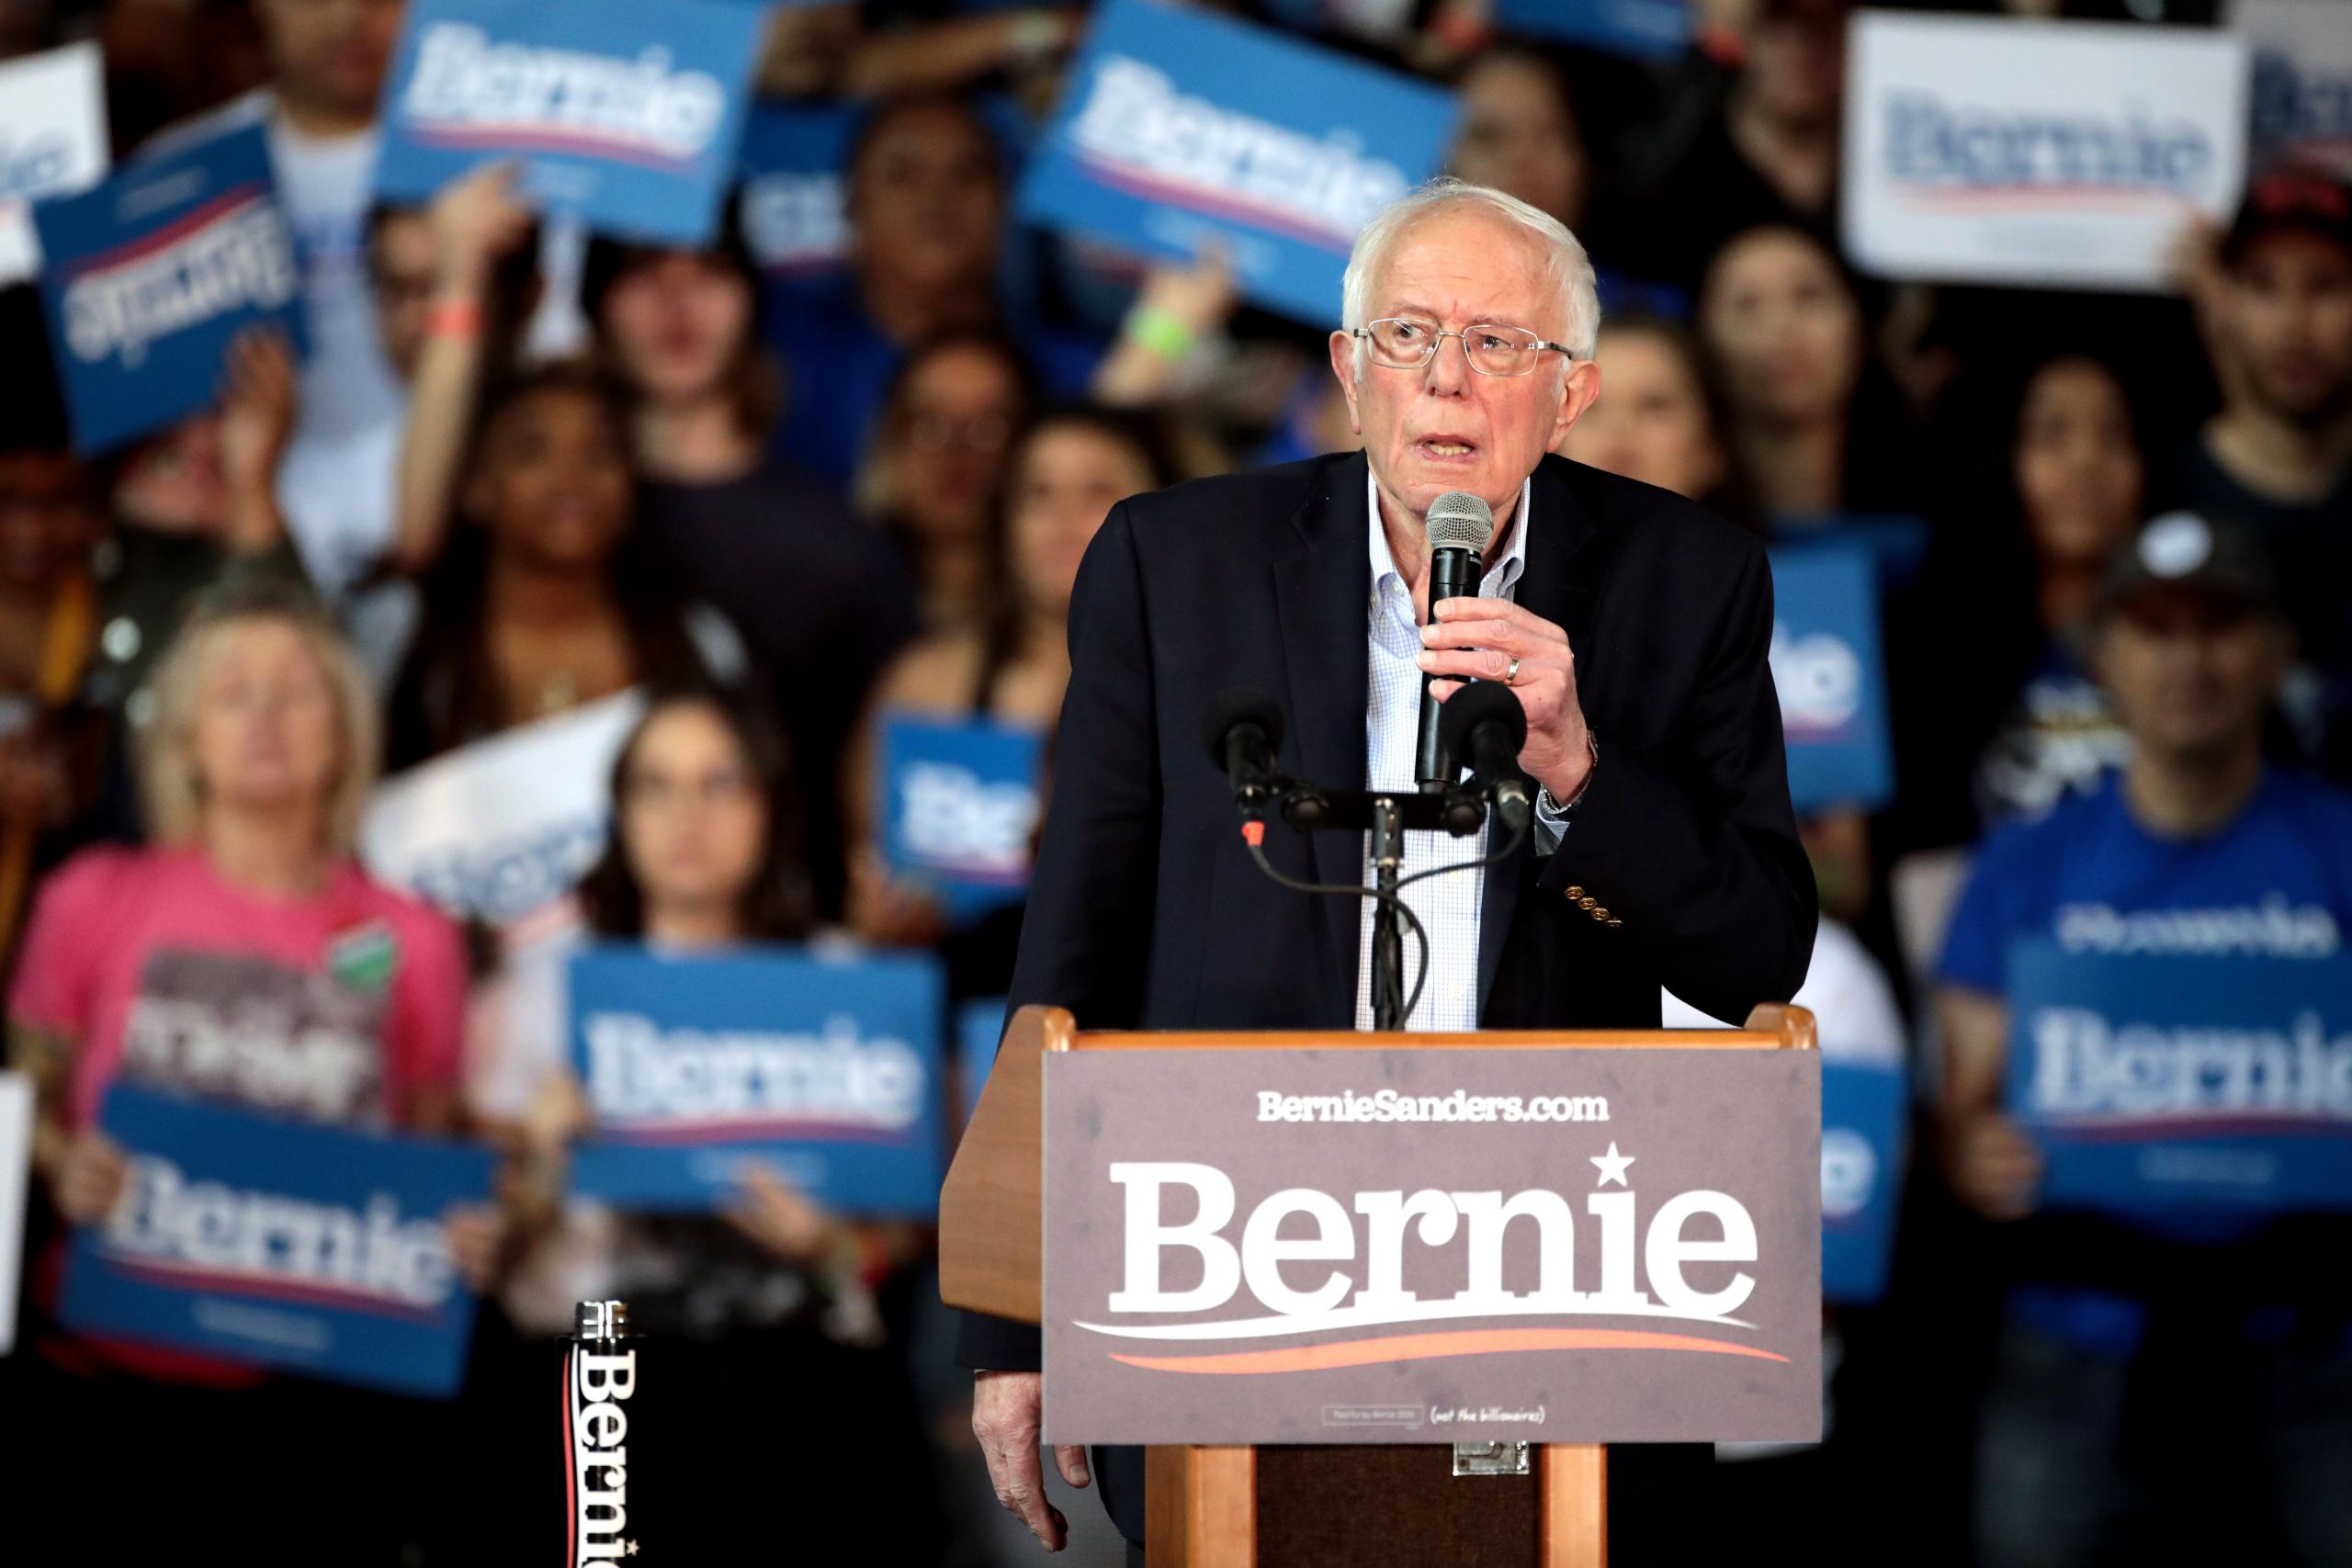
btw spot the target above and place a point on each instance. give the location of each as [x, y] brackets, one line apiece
[823, 601]
[1010, 667]
[1781, 320]
[52, 514]
[1663, 420]
[926, 194]
[2164, 1390]
[247, 920]
[1519, 133]
[1758, 147]
[2021, 722]
[328, 59]
[2277, 316]
[772, 1298]
[549, 596]
[937, 460]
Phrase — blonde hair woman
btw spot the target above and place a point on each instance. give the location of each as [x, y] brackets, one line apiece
[242, 957]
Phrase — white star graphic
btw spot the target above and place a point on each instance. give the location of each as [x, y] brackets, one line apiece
[1612, 1165]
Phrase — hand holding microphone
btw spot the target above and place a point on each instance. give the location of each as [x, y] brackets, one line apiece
[1493, 640]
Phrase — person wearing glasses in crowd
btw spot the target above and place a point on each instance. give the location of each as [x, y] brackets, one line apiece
[1632, 627]
[936, 458]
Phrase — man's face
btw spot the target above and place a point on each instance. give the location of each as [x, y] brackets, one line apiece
[2286, 324]
[331, 53]
[2190, 675]
[401, 264]
[1445, 426]
[925, 199]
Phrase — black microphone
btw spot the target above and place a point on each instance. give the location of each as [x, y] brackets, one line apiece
[1485, 723]
[1242, 728]
[1459, 527]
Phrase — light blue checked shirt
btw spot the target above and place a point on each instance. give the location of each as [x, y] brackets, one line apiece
[1448, 907]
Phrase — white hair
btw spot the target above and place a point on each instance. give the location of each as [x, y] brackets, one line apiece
[1570, 268]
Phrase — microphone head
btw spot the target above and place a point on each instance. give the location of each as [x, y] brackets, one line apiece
[1238, 706]
[1480, 703]
[1460, 521]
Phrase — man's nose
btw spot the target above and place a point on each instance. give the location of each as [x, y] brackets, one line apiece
[1449, 371]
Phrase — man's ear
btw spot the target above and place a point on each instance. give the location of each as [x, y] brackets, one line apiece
[1579, 389]
[1343, 366]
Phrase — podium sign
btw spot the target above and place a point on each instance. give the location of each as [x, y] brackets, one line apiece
[1404, 1246]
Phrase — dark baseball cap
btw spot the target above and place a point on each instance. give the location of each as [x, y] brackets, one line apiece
[2184, 553]
[2297, 199]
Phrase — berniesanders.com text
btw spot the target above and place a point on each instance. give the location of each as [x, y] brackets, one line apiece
[1388, 1105]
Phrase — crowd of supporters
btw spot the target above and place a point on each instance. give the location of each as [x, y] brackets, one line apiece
[519, 470]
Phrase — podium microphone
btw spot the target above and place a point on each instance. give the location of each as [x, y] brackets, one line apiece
[1485, 723]
[1242, 728]
[1459, 527]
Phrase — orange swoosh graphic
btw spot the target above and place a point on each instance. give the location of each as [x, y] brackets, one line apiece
[1425, 1347]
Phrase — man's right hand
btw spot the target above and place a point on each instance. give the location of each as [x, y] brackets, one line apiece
[1007, 1409]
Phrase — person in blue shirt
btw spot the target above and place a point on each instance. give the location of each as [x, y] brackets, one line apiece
[2167, 1388]
[927, 188]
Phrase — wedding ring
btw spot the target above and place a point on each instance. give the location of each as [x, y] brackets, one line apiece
[1510, 676]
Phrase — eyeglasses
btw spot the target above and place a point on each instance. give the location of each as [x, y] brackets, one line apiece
[1401, 343]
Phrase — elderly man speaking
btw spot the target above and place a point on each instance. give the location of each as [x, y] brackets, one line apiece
[1631, 625]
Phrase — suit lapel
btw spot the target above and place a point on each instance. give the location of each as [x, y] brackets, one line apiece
[1557, 529]
[1322, 589]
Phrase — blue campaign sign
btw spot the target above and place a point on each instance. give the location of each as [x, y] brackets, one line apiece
[794, 173]
[1863, 1109]
[1179, 128]
[979, 1026]
[312, 1250]
[1641, 29]
[627, 116]
[1831, 675]
[959, 808]
[2157, 1083]
[828, 1071]
[149, 276]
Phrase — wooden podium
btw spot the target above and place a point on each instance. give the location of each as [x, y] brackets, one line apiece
[1235, 1507]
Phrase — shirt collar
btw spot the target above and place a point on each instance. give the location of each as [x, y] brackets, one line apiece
[1496, 580]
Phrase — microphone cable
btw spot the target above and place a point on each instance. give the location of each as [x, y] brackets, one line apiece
[1405, 910]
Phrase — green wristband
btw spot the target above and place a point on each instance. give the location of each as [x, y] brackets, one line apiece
[1160, 332]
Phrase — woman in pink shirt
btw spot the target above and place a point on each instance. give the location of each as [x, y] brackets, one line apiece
[246, 959]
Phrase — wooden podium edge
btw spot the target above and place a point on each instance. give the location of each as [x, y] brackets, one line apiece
[991, 1207]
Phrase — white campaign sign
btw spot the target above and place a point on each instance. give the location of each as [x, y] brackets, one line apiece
[53, 142]
[2302, 79]
[2066, 154]
[496, 829]
[15, 1171]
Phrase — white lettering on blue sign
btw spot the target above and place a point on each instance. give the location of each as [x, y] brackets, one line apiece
[952, 821]
[1136, 132]
[239, 258]
[1975, 148]
[210, 1233]
[2087, 1068]
[1819, 680]
[637, 1071]
[467, 91]
[2273, 928]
